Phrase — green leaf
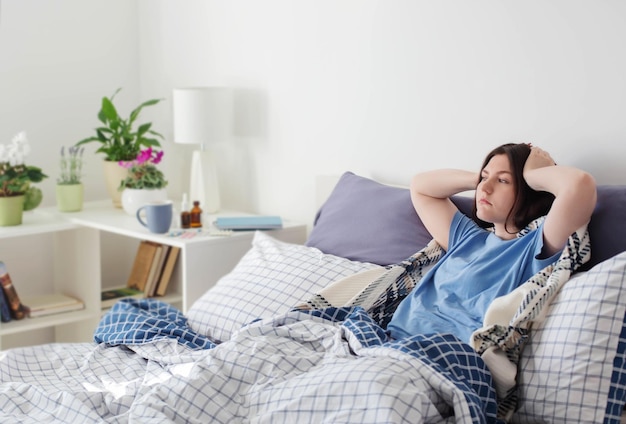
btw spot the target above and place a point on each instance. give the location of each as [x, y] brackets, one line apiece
[135, 113]
[35, 174]
[156, 133]
[143, 128]
[150, 142]
[109, 110]
[87, 140]
[115, 93]
[101, 117]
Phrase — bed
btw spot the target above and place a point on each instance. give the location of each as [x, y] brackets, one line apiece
[251, 349]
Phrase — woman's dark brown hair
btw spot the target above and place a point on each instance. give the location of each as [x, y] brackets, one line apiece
[529, 204]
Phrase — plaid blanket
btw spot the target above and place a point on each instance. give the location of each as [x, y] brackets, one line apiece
[322, 365]
[138, 321]
[509, 320]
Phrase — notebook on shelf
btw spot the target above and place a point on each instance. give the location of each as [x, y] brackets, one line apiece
[241, 223]
[49, 304]
[109, 297]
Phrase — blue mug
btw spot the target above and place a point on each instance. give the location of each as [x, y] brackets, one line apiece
[158, 216]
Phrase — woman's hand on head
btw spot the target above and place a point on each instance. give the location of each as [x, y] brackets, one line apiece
[538, 158]
[575, 196]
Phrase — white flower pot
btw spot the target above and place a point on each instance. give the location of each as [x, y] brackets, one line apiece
[133, 199]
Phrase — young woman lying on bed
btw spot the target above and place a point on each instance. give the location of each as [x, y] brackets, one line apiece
[517, 183]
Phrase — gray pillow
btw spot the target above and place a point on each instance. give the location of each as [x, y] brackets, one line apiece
[607, 228]
[367, 221]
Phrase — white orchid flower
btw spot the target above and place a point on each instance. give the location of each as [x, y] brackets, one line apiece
[16, 151]
[20, 144]
[20, 138]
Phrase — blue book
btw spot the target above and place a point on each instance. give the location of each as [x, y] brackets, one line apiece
[240, 223]
[11, 298]
[5, 313]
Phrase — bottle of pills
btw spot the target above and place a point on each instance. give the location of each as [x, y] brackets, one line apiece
[195, 215]
[185, 216]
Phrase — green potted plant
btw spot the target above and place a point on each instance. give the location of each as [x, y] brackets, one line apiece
[69, 190]
[144, 182]
[120, 139]
[16, 192]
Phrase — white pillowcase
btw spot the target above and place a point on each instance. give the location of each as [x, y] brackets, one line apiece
[569, 363]
[272, 277]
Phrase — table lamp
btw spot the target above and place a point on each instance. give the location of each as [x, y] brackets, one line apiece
[203, 115]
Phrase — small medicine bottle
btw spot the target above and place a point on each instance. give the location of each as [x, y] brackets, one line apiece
[185, 216]
[196, 215]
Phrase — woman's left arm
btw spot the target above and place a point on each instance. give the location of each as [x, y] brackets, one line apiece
[575, 197]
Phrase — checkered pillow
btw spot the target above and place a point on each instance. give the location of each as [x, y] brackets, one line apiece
[272, 277]
[573, 369]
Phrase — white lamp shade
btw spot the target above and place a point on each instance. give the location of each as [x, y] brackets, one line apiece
[202, 115]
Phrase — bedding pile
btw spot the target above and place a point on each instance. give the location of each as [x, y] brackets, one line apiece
[507, 322]
[330, 365]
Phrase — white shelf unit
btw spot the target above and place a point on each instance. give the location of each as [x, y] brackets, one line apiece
[46, 256]
[94, 249]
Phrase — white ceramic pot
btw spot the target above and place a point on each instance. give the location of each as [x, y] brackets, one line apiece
[133, 199]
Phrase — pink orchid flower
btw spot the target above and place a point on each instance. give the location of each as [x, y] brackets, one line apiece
[158, 157]
[144, 155]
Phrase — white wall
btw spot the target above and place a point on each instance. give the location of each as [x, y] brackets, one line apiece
[382, 88]
[387, 88]
[57, 59]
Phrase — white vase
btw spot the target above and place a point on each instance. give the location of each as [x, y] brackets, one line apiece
[133, 199]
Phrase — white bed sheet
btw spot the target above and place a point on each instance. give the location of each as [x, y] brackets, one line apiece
[289, 371]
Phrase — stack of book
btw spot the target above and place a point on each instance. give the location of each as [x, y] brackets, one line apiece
[150, 276]
[14, 308]
[50, 304]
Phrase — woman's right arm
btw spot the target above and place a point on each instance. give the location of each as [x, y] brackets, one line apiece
[574, 193]
[430, 193]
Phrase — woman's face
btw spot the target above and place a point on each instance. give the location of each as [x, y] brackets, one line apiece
[495, 194]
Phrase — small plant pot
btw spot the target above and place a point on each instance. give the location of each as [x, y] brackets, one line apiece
[11, 210]
[70, 197]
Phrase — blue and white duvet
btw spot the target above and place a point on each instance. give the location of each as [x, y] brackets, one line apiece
[333, 366]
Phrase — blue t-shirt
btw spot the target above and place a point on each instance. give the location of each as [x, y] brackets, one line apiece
[478, 267]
